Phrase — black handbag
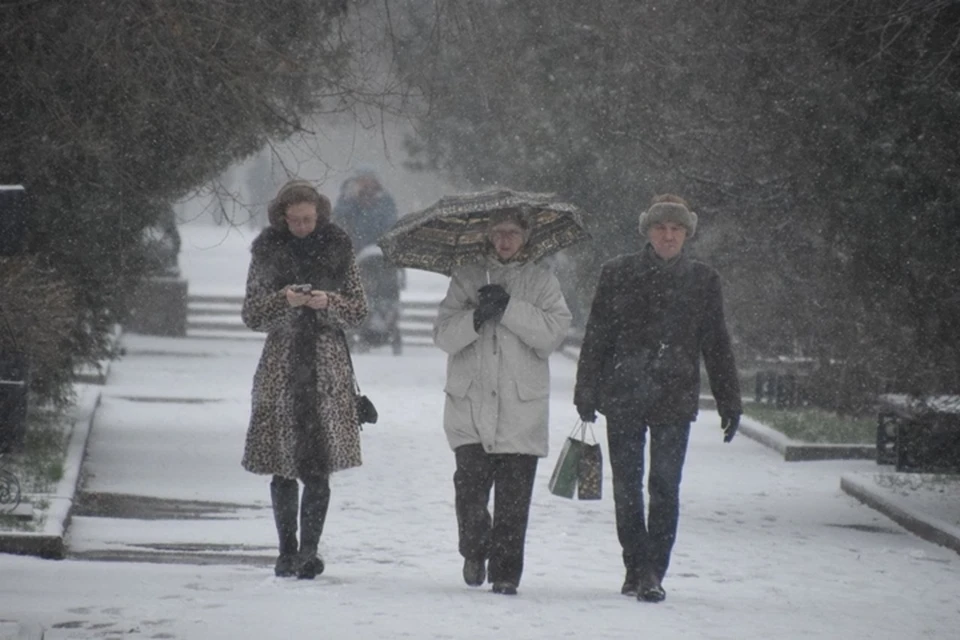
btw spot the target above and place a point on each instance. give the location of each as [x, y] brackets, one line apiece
[366, 411]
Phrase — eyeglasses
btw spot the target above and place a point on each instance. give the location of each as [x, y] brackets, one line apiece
[301, 222]
[512, 234]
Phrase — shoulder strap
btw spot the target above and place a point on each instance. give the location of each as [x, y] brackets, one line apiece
[353, 372]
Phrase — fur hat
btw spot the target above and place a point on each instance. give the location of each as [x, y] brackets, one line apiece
[293, 192]
[668, 211]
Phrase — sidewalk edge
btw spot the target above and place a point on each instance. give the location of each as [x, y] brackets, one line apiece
[926, 527]
[766, 436]
[797, 451]
[49, 543]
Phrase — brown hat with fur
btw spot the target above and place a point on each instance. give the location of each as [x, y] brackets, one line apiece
[295, 192]
[669, 208]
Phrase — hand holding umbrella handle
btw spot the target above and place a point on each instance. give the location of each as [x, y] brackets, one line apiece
[483, 313]
[492, 302]
[493, 294]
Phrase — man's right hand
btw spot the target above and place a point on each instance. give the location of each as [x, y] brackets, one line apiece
[586, 413]
[729, 422]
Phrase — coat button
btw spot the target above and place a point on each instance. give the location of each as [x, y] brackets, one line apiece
[493, 393]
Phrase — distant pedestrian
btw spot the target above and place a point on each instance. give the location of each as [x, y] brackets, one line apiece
[303, 423]
[654, 313]
[364, 209]
[501, 319]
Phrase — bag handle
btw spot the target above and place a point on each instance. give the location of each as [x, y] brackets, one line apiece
[582, 427]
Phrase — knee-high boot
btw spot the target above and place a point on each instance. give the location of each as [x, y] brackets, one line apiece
[284, 494]
[313, 514]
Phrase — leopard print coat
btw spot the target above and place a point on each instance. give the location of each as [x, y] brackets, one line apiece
[280, 441]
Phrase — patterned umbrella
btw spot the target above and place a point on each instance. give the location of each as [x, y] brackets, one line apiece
[452, 232]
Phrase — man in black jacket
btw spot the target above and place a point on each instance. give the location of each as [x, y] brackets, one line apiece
[654, 313]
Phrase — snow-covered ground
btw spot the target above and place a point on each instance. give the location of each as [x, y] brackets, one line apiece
[766, 549]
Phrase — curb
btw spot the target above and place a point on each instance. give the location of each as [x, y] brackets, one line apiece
[48, 543]
[926, 527]
[796, 451]
[791, 450]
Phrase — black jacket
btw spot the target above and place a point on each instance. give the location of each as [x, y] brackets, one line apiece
[649, 324]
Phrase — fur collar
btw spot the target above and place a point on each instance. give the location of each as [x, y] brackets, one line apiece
[329, 249]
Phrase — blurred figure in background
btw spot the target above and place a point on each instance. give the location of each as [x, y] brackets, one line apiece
[366, 211]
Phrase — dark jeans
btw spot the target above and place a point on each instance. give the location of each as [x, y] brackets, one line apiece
[499, 539]
[646, 543]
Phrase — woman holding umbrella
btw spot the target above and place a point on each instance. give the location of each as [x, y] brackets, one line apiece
[501, 319]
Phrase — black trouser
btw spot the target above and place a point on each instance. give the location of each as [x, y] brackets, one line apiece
[500, 539]
[647, 542]
[313, 511]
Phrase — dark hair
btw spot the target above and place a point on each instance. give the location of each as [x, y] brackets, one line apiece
[296, 192]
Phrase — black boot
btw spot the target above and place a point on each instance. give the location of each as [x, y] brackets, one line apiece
[474, 572]
[650, 589]
[631, 583]
[284, 494]
[313, 514]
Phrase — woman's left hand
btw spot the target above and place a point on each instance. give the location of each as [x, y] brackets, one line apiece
[318, 300]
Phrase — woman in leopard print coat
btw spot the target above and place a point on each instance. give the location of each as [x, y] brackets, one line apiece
[303, 423]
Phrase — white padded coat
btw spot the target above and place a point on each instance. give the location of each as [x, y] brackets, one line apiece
[498, 380]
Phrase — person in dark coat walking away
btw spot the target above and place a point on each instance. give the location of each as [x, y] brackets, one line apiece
[303, 289]
[365, 210]
[653, 315]
[501, 319]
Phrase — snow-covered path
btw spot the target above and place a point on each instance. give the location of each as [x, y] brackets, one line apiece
[767, 549]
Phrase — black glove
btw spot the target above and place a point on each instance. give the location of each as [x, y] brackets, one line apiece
[482, 314]
[495, 295]
[729, 423]
[493, 300]
[587, 413]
